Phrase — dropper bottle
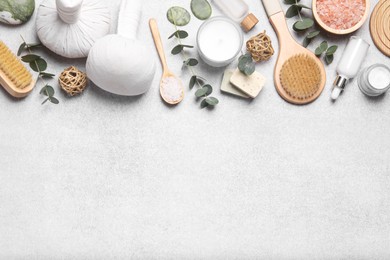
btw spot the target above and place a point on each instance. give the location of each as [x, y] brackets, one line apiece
[350, 63]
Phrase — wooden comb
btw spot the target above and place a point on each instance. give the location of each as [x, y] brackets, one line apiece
[299, 75]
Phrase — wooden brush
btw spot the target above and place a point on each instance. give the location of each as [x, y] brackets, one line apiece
[14, 77]
[299, 75]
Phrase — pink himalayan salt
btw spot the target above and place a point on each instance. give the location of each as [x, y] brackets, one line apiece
[341, 14]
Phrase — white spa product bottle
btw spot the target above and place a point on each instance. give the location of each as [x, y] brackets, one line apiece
[375, 80]
[349, 64]
[238, 11]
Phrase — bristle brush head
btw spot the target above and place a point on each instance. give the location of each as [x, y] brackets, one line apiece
[12, 71]
[300, 77]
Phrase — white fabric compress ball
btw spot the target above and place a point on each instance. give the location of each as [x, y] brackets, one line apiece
[69, 28]
[120, 63]
[121, 66]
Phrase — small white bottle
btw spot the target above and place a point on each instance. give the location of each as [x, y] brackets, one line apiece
[349, 64]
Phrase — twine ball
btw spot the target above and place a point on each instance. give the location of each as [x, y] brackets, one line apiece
[73, 81]
[260, 47]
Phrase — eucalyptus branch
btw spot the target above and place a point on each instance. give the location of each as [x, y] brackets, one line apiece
[185, 57]
[305, 23]
[39, 65]
[204, 90]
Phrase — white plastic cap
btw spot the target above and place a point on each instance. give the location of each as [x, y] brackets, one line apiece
[336, 93]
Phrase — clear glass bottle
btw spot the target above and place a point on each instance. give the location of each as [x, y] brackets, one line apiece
[349, 64]
[375, 80]
[238, 11]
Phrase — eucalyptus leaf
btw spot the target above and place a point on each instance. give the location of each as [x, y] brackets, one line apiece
[193, 81]
[38, 65]
[200, 79]
[178, 16]
[204, 104]
[54, 100]
[309, 37]
[212, 101]
[303, 25]
[191, 62]
[246, 56]
[201, 9]
[293, 11]
[322, 48]
[318, 51]
[180, 34]
[331, 50]
[47, 90]
[329, 59]
[201, 92]
[34, 45]
[306, 42]
[177, 49]
[42, 90]
[313, 34]
[209, 89]
[290, 2]
[21, 48]
[246, 64]
[30, 57]
[46, 75]
[324, 45]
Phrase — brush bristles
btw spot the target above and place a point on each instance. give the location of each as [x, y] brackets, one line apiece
[300, 77]
[13, 68]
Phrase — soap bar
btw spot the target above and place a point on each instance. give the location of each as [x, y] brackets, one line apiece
[227, 87]
[250, 85]
[16, 11]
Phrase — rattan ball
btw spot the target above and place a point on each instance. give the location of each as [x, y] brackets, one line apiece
[260, 47]
[73, 81]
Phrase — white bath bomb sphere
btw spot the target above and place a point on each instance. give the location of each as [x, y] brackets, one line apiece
[121, 66]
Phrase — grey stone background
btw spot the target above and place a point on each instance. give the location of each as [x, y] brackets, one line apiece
[106, 177]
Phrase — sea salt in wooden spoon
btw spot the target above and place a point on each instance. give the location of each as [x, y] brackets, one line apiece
[171, 88]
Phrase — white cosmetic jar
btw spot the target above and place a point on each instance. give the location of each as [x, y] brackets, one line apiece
[219, 41]
[375, 80]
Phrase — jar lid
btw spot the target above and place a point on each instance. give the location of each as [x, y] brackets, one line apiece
[249, 22]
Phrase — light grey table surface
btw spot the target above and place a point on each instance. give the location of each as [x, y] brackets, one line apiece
[106, 177]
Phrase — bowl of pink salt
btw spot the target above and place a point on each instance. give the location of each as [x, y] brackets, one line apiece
[341, 16]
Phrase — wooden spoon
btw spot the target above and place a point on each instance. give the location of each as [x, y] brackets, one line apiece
[171, 88]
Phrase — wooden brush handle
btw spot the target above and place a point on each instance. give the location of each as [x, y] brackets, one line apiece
[158, 43]
[278, 21]
[272, 7]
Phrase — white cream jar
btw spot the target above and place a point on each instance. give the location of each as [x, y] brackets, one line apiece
[219, 41]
